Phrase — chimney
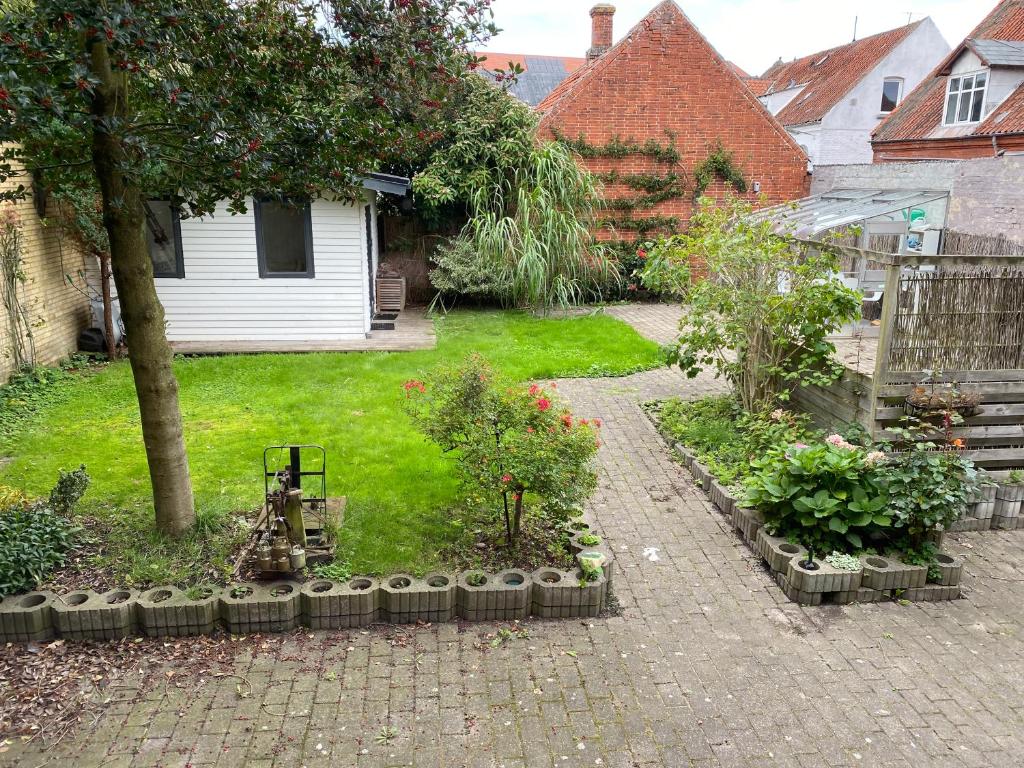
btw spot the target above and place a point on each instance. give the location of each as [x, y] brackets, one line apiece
[600, 29]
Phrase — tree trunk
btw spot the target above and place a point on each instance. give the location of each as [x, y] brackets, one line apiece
[108, 309]
[149, 352]
[518, 516]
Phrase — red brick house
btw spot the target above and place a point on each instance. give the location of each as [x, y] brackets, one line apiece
[972, 105]
[664, 86]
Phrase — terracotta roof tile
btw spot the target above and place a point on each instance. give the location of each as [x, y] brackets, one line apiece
[921, 111]
[829, 75]
[757, 84]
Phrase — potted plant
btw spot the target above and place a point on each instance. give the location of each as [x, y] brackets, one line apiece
[928, 399]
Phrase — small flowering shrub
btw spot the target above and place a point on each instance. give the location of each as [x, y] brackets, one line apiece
[827, 496]
[836, 495]
[515, 444]
[928, 488]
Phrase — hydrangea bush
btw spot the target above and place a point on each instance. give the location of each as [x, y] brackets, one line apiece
[514, 444]
[834, 495]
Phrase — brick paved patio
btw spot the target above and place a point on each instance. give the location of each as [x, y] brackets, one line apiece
[707, 665]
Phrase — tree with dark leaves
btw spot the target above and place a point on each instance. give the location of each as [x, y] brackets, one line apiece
[202, 101]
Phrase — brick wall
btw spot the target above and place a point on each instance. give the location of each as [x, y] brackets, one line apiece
[57, 311]
[662, 77]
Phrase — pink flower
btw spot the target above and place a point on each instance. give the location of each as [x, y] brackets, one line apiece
[799, 445]
[534, 390]
[874, 457]
[567, 420]
[506, 479]
[777, 414]
[543, 404]
[838, 442]
[530, 430]
[597, 423]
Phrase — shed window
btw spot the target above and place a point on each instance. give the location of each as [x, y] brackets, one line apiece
[163, 234]
[965, 96]
[892, 92]
[284, 238]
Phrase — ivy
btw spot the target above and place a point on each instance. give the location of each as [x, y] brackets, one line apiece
[641, 225]
[718, 164]
[643, 182]
[617, 147]
[657, 189]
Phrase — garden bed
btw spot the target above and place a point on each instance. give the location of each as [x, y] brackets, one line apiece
[280, 606]
[722, 441]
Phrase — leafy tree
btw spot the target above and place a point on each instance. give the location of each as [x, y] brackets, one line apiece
[211, 100]
[531, 205]
[763, 311]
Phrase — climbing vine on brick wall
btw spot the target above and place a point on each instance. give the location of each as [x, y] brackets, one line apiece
[719, 163]
[617, 147]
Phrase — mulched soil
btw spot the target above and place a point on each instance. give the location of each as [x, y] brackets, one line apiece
[536, 547]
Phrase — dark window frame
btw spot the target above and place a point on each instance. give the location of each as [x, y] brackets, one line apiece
[179, 253]
[900, 83]
[261, 253]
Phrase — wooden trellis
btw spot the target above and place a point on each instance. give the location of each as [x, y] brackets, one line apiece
[952, 319]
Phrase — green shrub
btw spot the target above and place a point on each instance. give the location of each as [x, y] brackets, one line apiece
[36, 537]
[724, 437]
[827, 496]
[510, 441]
[927, 488]
[460, 272]
[763, 340]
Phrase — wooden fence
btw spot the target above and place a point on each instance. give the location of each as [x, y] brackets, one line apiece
[951, 319]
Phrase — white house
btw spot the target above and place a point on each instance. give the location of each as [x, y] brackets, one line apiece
[831, 101]
[279, 274]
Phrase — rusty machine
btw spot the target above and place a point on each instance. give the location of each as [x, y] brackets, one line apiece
[294, 527]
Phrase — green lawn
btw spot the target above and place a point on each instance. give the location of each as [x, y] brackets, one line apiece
[400, 488]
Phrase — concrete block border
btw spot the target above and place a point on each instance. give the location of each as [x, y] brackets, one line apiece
[242, 608]
[879, 578]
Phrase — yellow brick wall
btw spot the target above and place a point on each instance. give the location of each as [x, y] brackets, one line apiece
[57, 311]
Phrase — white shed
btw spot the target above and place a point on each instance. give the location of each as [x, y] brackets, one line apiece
[279, 277]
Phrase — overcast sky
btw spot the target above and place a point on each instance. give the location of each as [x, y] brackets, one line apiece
[751, 33]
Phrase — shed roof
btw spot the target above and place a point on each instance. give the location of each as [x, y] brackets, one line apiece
[810, 216]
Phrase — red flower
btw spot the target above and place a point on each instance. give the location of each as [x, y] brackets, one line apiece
[567, 420]
[534, 390]
[597, 423]
[530, 430]
[412, 384]
[543, 404]
[506, 479]
[641, 254]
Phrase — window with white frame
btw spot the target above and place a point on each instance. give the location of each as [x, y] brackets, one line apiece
[965, 98]
[892, 93]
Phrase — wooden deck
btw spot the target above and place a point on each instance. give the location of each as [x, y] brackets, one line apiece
[413, 330]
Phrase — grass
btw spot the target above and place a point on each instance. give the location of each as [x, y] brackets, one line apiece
[400, 488]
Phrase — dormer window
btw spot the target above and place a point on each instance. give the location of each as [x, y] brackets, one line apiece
[965, 98]
[892, 93]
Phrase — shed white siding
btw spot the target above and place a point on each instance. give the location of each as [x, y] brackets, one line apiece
[223, 298]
